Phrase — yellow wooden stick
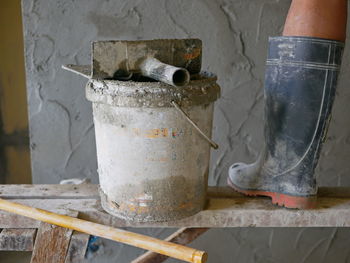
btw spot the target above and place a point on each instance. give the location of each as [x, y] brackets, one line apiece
[149, 243]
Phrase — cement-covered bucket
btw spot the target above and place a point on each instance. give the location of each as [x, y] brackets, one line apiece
[152, 163]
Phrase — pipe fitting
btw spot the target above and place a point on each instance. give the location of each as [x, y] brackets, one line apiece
[155, 69]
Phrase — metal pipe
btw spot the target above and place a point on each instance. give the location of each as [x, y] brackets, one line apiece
[155, 69]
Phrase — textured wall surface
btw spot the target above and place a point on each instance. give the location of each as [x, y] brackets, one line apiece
[234, 35]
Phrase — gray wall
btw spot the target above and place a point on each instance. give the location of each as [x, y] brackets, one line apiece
[234, 35]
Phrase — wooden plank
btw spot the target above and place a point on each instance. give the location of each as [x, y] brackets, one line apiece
[77, 247]
[90, 191]
[248, 212]
[220, 212]
[48, 191]
[17, 239]
[51, 245]
[225, 209]
[8, 220]
[183, 236]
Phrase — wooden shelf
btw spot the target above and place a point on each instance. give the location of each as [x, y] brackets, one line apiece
[225, 208]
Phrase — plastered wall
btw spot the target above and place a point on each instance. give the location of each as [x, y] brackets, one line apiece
[234, 35]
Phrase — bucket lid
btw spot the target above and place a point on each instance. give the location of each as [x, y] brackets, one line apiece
[202, 89]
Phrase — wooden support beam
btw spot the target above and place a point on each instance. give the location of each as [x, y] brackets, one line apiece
[183, 236]
[17, 239]
[225, 209]
[77, 247]
[49, 191]
[52, 242]
[90, 191]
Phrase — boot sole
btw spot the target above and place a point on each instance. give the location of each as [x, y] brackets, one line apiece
[288, 201]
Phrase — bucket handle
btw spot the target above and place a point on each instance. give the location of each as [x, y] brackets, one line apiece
[211, 142]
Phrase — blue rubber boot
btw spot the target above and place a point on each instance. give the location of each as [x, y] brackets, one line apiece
[300, 84]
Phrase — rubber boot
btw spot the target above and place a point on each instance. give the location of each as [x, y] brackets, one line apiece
[300, 84]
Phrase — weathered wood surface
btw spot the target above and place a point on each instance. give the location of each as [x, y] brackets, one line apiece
[225, 209]
[48, 191]
[183, 236]
[17, 239]
[52, 242]
[77, 247]
[23, 240]
[90, 191]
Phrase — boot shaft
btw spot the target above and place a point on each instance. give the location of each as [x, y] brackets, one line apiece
[300, 84]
